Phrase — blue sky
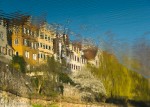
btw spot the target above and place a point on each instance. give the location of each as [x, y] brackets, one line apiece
[127, 19]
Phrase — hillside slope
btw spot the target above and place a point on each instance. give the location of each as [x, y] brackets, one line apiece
[14, 81]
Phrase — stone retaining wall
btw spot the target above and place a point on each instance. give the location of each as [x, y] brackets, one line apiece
[10, 100]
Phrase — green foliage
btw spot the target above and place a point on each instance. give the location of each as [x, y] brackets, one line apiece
[19, 63]
[37, 105]
[50, 83]
[119, 81]
[53, 105]
[63, 77]
[49, 88]
[35, 82]
[53, 66]
[56, 69]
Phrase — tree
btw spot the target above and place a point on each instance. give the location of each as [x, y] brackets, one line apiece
[92, 89]
[141, 50]
[19, 63]
[119, 81]
[51, 81]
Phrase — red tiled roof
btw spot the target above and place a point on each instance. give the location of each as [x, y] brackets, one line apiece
[90, 53]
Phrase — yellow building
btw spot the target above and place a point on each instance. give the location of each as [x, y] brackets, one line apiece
[24, 40]
[45, 42]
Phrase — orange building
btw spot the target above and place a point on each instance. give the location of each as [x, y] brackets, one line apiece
[24, 39]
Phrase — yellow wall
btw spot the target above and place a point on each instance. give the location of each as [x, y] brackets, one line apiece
[47, 52]
[17, 35]
[21, 48]
[30, 60]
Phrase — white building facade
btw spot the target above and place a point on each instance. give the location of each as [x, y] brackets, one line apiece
[5, 50]
[76, 60]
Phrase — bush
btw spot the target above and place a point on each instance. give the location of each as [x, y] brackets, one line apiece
[49, 88]
[37, 105]
[19, 63]
[63, 77]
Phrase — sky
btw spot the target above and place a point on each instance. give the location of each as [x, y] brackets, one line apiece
[126, 19]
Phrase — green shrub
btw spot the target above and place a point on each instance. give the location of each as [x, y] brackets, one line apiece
[63, 77]
[37, 105]
[19, 63]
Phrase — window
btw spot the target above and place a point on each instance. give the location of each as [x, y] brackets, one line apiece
[96, 62]
[46, 47]
[78, 50]
[1, 36]
[39, 45]
[16, 29]
[44, 56]
[3, 50]
[26, 54]
[79, 67]
[35, 46]
[41, 36]
[49, 48]
[35, 34]
[25, 42]
[41, 55]
[16, 41]
[24, 30]
[85, 60]
[34, 56]
[31, 33]
[46, 37]
[43, 46]
[17, 53]
[28, 31]
[49, 39]
[75, 58]
[1, 22]
[32, 45]
[38, 55]
[10, 52]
